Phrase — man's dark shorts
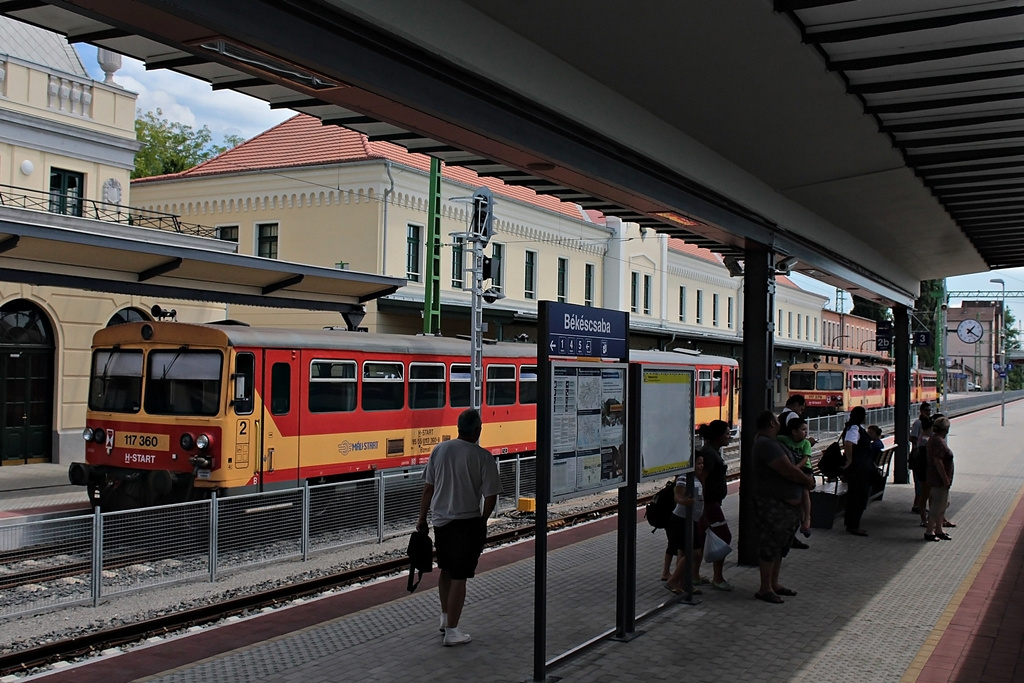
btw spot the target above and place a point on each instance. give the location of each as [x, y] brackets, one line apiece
[459, 544]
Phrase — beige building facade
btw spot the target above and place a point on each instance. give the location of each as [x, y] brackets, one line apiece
[67, 145]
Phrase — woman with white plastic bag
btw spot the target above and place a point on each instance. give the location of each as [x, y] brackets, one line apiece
[716, 436]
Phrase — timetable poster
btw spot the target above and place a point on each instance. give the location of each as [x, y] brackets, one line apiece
[588, 435]
[666, 422]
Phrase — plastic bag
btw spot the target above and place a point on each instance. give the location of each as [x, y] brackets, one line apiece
[715, 549]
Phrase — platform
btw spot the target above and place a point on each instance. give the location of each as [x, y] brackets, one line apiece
[882, 608]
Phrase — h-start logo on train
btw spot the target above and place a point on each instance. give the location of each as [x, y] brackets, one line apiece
[346, 447]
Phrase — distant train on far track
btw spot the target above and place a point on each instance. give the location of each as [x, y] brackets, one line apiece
[830, 388]
[177, 411]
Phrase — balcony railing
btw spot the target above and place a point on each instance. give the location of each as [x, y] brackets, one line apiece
[67, 204]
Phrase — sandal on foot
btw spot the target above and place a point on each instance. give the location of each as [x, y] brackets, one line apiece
[931, 537]
[949, 525]
[788, 592]
[677, 591]
[769, 597]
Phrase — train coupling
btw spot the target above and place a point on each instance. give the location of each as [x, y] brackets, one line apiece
[202, 462]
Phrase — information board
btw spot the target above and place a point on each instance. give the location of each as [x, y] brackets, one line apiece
[588, 428]
[586, 331]
[666, 420]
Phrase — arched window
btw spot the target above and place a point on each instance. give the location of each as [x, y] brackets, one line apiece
[128, 315]
[22, 323]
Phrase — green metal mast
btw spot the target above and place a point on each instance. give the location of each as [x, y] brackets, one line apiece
[432, 283]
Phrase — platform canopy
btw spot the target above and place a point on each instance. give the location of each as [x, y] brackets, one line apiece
[875, 143]
[65, 251]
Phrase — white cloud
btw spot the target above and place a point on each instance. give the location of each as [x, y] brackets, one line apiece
[189, 100]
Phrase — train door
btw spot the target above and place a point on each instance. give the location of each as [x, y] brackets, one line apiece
[731, 397]
[279, 466]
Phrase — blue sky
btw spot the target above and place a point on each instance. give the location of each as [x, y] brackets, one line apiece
[195, 103]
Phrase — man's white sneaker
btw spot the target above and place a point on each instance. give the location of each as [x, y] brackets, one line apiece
[453, 636]
[443, 623]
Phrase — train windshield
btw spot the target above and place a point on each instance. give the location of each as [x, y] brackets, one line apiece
[116, 382]
[801, 380]
[183, 382]
[830, 381]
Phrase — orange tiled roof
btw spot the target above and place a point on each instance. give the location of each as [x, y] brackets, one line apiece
[678, 245]
[303, 141]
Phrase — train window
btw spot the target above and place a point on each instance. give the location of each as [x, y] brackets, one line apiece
[528, 384]
[501, 385]
[716, 383]
[459, 388]
[116, 382]
[332, 386]
[280, 388]
[830, 380]
[801, 380]
[426, 385]
[383, 386]
[244, 378]
[703, 382]
[183, 382]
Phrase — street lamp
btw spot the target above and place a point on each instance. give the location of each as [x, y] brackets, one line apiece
[1002, 351]
[866, 341]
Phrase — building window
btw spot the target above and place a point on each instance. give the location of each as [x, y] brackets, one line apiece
[588, 284]
[789, 325]
[66, 190]
[459, 263]
[647, 294]
[413, 248]
[634, 292]
[228, 233]
[700, 307]
[563, 280]
[682, 304]
[266, 244]
[497, 266]
[807, 328]
[714, 309]
[815, 329]
[799, 330]
[730, 319]
[530, 282]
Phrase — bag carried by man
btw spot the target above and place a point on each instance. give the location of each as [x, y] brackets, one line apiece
[421, 557]
[659, 509]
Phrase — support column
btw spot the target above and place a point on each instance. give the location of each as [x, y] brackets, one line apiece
[901, 411]
[756, 383]
[432, 281]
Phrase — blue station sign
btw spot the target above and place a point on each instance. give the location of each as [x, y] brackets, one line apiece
[584, 331]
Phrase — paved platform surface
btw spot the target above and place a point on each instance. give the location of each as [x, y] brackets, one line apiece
[887, 607]
[26, 490]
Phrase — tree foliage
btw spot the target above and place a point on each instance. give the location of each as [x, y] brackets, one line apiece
[926, 317]
[866, 308]
[1015, 380]
[171, 146]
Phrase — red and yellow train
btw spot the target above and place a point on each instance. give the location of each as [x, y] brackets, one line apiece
[830, 388]
[177, 410]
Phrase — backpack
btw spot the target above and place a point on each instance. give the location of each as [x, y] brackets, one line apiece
[832, 460]
[421, 557]
[659, 509]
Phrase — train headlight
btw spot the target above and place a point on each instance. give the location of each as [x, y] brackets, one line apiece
[203, 441]
[87, 433]
[186, 441]
[99, 435]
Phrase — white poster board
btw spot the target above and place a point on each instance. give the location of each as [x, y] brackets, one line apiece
[666, 420]
[588, 428]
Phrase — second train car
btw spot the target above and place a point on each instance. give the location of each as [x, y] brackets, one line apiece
[830, 388]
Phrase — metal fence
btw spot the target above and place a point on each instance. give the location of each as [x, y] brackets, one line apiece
[80, 560]
[58, 562]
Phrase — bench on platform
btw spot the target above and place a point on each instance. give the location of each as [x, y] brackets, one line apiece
[829, 499]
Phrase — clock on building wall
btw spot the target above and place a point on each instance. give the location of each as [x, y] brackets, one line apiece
[970, 331]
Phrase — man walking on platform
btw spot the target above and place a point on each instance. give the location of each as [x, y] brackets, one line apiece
[458, 474]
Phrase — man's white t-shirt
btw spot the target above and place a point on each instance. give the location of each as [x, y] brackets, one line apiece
[462, 473]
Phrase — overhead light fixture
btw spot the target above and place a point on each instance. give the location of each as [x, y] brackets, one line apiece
[676, 218]
[244, 54]
[734, 266]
